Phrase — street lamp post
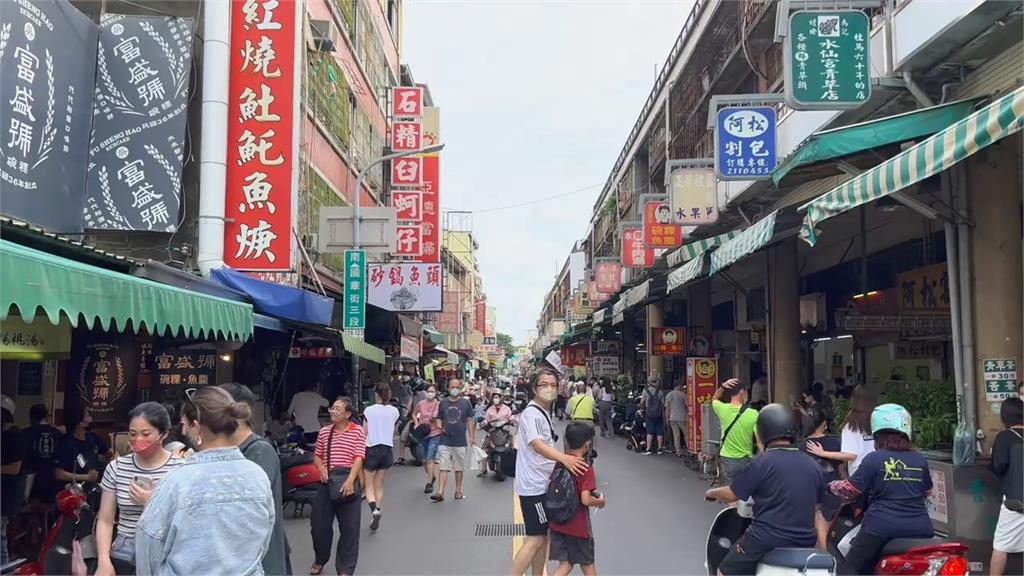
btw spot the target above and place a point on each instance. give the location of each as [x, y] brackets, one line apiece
[356, 239]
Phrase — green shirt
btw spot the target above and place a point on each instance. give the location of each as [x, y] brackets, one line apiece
[740, 443]
[581, 406]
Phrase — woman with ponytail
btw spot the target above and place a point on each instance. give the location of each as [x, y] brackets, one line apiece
[215, 513]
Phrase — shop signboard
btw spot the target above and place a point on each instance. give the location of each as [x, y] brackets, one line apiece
[890, 323]
[701, 383]
[262, 175]
[355, 290]
[660, 229]
[406, 136]
[430, 191]
[575, 355]
[608, 276]
[449, 321]
[408, 205]
[30, 378]
[409, 240]
[1000, 378]
[480, 316]
[176, 370]
[635, 253]
[407, 171]
[407, 102]
[311, 353]
[103, 373]
[826, 60]
[405, 287]
[917, 350]
[144, 64]
[693, 194]
[36, 341]
[745, 142]
[613, 347]
[47, 75]
[924, 289]
[409, 347]
[604, 366]
[668, 341]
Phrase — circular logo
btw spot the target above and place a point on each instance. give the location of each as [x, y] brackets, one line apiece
[705, 368]
[121, 152]
[117, 29]
[30, 31]
[746, 124]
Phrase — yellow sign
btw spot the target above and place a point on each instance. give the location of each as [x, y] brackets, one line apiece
[924, 288]
[39, 340]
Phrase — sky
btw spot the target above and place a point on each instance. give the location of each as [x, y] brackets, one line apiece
[537, 99]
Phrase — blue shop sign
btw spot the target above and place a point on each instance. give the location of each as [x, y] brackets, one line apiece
[745, 143]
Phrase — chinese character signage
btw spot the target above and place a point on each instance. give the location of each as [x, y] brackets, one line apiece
[608, 277]
[574, 355]
[406, 136]
[409, 239]
[604, 366]
[176, 370]
[47, 74]
[924, 289]
[408, 205]
[693, 193]
[262, 150]
[449, 321]
[635, 253]
[35, 341]
[826, 60]
[668, 341]
[407, 171]
[481, 317]
[660, 230]
[405, 286]
[430, 250]
[355, 290]
[1000, 379]
[745, 143]
[701, 383]
[103, 373]
[407, 102]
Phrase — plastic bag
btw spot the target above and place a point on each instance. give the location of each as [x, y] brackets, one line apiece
[78, 567]
[478, 458]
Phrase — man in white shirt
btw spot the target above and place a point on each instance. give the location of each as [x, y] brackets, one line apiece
[535, 461]
[305, 406]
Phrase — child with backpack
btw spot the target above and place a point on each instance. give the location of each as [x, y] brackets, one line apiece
[566, 504]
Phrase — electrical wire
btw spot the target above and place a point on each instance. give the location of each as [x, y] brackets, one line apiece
[529, 202]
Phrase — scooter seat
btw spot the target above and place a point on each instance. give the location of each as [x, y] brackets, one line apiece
[901, 545]
[812, 558]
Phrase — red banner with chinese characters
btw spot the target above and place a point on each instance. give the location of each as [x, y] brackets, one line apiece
[406, 136]
[659, 229]
[635, 254]
[407, 102]
[431, 190]
[261, 142]
[574, 355]
[481, 316]
[668, 341]
[701, 383]
[608, 277]
[449, 321]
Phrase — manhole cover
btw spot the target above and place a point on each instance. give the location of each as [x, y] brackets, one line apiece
[500, 529]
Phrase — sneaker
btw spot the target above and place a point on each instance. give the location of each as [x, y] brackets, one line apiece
[375, 523]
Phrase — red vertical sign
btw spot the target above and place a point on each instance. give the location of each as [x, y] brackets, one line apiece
[481, 316]
[261, 136]
[660, 230]
[431, 251]
[635, 254]
[701, 383]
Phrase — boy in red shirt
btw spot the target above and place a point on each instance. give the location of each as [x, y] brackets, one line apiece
[573, 542]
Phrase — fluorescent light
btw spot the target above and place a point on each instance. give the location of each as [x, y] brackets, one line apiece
[869, 294]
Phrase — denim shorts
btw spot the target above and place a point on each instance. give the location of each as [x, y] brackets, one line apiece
[123, 548]
[430, 448]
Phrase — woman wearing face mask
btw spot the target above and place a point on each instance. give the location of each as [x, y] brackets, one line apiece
[496, 411]
[214, 514]
[128, 484]
[426, 414]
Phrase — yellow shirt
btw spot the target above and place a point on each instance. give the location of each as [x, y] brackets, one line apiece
[581, 407]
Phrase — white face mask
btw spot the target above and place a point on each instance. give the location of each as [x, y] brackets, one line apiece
[547, 394]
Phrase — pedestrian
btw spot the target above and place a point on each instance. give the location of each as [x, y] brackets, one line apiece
[653, 404]
[380, 444]
[737, 421]
[456, 416]
[418, 391]
[496, 411]
[826, 451]
[581, 406]
[572, 543]
[12, 457]
[176, 441]
[426, 415]
[339, 455]
[759, 392]
[1008, 462]
[856, 438]
[675, 406]
[79, 440]
[536, 458]
[305, 409]
[262, 452]
[42, 439]
[128, 484]
[606, 401]
[215, 513]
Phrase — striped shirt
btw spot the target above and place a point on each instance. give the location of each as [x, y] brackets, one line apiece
[346, 447]
[118, 477]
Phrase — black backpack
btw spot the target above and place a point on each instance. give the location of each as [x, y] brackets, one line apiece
[561, 502]
[654, 405]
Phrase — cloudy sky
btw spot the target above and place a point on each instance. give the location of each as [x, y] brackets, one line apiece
[537, 98]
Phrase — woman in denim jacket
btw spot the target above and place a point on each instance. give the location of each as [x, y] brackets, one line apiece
[214, 514]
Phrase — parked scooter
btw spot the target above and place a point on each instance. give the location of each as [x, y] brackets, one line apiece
[498, 446]
[300, 477]
[635, 430]
[729, 526]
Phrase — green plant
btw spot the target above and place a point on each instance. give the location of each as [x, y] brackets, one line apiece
[623, 386]
[840, 409]
[932, 407]
[609, 207]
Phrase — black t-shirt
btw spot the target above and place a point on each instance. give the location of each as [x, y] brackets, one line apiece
[787, 487]
[12, 443]
[1008, 462]
[896, 484]
[829, 468]
[42, 450]
[70, 447]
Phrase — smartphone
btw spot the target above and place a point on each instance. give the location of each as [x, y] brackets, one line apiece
[144, 482]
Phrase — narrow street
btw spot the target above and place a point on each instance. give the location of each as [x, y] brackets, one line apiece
[654, 524]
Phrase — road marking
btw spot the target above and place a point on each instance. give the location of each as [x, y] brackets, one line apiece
[517, 518]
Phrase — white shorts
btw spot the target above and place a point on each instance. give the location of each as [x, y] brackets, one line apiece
[1009, 535]
[451, 458]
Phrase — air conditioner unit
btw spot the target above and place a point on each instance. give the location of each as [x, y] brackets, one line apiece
[323, 35]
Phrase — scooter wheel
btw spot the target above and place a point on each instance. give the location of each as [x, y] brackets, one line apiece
[629, 446]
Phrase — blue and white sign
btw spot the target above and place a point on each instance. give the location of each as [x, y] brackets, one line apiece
[745, 143]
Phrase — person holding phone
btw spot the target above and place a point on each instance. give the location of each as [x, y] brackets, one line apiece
[129, 482]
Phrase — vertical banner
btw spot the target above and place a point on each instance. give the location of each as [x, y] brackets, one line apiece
[355, 290]
[608, 276]
[481, 317]
[745, 143]
[826, 60]
[635, 254]
[415, 181]
[693, 193]
[143, 69]
[660, 229]
[431, 226]
[449, 321]
[103, 373]
[701, 383]
[47, 74]
[262, 148]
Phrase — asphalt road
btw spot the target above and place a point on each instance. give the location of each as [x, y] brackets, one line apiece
[655, 522]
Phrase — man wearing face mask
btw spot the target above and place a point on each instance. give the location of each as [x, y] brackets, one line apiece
[456, 417]
[79, 440]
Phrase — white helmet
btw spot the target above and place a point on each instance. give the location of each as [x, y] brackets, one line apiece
[7, 404]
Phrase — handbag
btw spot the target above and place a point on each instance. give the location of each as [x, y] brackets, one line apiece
[337, 476]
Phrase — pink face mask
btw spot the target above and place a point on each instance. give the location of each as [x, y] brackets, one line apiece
[145, 449]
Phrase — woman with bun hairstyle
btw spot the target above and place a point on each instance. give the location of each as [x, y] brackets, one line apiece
[214, 514]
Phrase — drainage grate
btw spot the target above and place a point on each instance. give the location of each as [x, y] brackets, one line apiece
[500, 529]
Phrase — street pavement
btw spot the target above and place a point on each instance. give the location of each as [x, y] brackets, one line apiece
[655, 522]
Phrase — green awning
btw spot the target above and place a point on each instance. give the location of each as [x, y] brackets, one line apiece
[747, 242]
[847, 140]
[693, 249]
[687, 272]
[362, 349]
[999, 119]
[432, 334]
[30, 279]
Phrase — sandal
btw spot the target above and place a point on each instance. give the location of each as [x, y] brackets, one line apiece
[437, 498]
[316, 569]
[400, 462]
[428, 488]
[481, 474]
[459, 496]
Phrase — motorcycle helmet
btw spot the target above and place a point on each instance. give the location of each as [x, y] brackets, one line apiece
[891, 417]
[775, 421]
[7, 404]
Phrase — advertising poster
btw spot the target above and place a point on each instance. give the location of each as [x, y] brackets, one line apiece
[701, 383]
[668, 341]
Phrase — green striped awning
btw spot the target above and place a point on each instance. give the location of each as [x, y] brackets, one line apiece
[362, 349]
[999, 119]
[687, 272]
[693, 249]
[747, 242]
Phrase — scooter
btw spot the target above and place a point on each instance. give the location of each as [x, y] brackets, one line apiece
[729, 526]
[618, 417]
[499, 434]
[635, 430]
[913, 556]
[300, 477]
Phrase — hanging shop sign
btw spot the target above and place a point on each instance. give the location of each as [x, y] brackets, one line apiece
[135, 155]
[917, 350]
[407, 102]
[611, 347]
[635, 254]
[312, 353]
[1000, 378]
[745, 142]
[603, 366]
[355, 290]
[103, 372]
[409, 347]
[693, 193]
[480, 316]
[449, 321]
[431, 225]
[925, 288]
[405, 287]
[574, 355]
[175, 370]
[668, 341]
[933, 322]
[660, 229]
[47, 75]
[701, 383]
[406, 136]
[826, 60]
[36, 341]
[262, 148]
[608, 276]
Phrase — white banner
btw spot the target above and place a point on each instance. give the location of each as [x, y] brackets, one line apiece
[405, 287]
[604, 366]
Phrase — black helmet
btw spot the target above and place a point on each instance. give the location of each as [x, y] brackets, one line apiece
[775, 421]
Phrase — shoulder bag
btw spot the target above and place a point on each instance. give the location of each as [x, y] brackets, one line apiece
[337, 476]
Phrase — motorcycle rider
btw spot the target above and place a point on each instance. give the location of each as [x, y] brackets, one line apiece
[895, 480]
[787, 489]
[496, 411]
